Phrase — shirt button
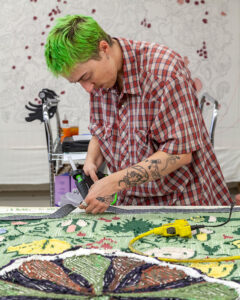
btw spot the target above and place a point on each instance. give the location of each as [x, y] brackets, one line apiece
[122, 104]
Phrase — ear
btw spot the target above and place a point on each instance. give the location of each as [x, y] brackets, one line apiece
[104, 46]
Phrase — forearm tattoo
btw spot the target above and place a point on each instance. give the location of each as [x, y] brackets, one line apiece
[172, 159]
[136, 175]
[106, 199]
[153, 168]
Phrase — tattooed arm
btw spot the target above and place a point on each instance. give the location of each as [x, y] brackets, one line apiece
[156, 166]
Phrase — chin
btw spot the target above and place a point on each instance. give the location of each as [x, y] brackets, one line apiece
[107, 86]
[113, 84]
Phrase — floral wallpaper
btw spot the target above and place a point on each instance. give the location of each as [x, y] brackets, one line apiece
[204, 32]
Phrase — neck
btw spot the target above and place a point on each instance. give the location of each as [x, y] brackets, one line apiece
[119, 62]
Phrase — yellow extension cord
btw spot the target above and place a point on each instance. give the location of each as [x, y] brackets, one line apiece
[173, 260]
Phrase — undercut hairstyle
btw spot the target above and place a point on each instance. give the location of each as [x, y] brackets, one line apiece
[74, 39]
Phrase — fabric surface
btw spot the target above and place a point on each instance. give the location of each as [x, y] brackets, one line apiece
[157, 110]
[49, 258]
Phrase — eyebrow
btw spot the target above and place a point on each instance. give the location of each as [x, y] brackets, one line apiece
[81, 77]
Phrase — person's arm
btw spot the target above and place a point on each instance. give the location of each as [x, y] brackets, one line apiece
[156, 166]
[94, 159]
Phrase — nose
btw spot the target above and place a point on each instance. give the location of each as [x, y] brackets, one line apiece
[88, 86]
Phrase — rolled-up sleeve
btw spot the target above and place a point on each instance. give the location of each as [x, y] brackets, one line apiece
[176, 129]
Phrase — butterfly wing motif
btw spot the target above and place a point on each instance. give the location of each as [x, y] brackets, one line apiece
[101, 274]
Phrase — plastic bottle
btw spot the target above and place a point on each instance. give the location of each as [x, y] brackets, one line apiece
[65, 129]
[74, 126]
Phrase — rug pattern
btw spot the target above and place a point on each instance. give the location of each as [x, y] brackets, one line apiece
[25, 245]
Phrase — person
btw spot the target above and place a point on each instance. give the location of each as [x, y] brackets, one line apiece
[145, 119]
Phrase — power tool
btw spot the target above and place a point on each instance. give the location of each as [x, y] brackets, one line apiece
[183, 229]
[178, 227]
[84, 182]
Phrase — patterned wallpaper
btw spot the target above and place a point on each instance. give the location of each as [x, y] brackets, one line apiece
[204, 32]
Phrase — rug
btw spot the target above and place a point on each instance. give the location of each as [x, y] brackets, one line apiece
[87, 257]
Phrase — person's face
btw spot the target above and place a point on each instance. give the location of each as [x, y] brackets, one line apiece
[100, 73]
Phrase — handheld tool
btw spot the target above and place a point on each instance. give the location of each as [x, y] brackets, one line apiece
[178, 227]
[84, 182]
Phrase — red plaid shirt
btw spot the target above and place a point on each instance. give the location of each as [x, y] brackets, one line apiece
[157, 110]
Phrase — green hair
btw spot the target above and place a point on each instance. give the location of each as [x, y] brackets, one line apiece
[74, 39]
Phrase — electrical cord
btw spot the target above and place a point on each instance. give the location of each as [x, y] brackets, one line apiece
[203, 226]
[190, 260]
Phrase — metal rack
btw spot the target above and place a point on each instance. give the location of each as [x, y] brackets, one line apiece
[56, 156]
[206, 99]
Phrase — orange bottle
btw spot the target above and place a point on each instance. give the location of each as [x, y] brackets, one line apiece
[74, 130]
[66, 131]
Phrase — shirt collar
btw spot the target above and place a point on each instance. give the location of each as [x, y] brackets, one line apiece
[130, 69]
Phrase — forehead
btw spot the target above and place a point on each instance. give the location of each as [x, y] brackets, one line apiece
[79, 70]
[76, 72]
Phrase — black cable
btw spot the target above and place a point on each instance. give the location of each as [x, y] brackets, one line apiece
[203, 226]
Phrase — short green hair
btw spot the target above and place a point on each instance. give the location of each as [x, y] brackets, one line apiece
[74, 39]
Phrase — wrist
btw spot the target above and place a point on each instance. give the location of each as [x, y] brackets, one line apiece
[97, 161]
[114, 180]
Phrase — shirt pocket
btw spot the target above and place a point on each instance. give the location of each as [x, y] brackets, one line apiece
[104, 135]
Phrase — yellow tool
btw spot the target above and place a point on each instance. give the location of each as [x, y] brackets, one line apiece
[183, 229]
[179, 227]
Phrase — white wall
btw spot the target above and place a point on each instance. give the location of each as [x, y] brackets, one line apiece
[23, 154]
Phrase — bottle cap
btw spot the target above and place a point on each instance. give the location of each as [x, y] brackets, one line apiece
[65, 120]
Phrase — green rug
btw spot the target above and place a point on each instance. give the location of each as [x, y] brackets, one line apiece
[87, 257]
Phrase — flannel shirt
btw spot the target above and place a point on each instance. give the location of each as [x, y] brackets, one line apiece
[157, 110]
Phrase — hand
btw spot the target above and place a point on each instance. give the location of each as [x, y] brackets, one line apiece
[100, 196]
[90, 169]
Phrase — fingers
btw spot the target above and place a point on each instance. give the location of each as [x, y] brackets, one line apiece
[93, 175]
[91, 171]
[95, 207]
[83, 205]
[98, 210]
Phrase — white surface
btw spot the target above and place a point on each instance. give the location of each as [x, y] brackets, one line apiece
[23, 154]
[76, 156]
[82, 137]
[230, 162]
